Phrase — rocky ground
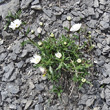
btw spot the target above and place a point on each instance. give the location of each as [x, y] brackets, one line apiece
[22, 87]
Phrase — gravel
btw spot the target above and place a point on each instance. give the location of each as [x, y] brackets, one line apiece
[23, 87]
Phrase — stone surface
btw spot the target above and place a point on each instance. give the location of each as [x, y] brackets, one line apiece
[38, 107]
[36, 7]
[8, 71]
[25, 3]
[12, 88]
[13, 6]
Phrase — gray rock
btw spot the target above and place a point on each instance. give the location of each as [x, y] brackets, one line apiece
[107, 67]
[29, 102]
[12, 56]
[12, 106]
[96, 108]
[103, 2]
[36, 7]
[66, 24]
[107, 96]
[99, 45]
[106, 50]
[20, 64]
[40, 99]
[39, 87]
[1, 41]
[98, 52]
[104, 25]
[14, 75]
[57, 11]
[96, 3]
[47, 12]
[4, 95]
[108, 40]
[13, 6]
[106, 17]
[101, 63]
[25, 3]
[65, 99]
[105, 81]
[3, 56]
[91, 11]
[35, 2]
[92, 23]
[83, 100]
[2, 49]
[38, 107]
[102, 94]
[8, 71]
[105, 107]
[12, 88]
[90, 101]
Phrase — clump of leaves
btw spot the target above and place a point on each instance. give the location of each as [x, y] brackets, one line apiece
[69, 65]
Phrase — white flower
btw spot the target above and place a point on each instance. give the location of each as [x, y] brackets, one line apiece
[42, 69]
[65, 43]
[32, 31]
[68, 18]
[83, 80]
[35, 59]
[41, 23]
[39, 30]
[75, 27]
[39, 43]
[79, 60]
[15, 24]
[58, 55]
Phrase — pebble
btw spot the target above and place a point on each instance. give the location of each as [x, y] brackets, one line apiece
[12, 88]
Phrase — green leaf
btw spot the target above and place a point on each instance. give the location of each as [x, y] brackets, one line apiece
[25, 42]
[60, 65]
[66, 28]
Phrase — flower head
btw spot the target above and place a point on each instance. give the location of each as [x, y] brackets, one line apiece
[41, 23]
[39, 43]
[51, 35]
[32, 31]
[39, 30]
[58, 55]
[79, 60]
[75, 27]
[68, 18]
[65, 43]
[35, 59]
[15, 24]
[83, 80]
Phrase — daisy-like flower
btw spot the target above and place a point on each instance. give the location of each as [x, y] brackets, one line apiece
[79, 60]
[35, 59]
[39, 43]
[83, 80]
[65, 43]
[51, 35]
[58, 55]
[15, 24]
[75, 27]
[41, 23]
[39, 30]
[68, 18]
[32, 31]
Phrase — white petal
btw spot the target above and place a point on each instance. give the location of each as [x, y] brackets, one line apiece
[75, 27]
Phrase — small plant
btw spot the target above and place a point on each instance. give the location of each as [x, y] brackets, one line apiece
[59, 59]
